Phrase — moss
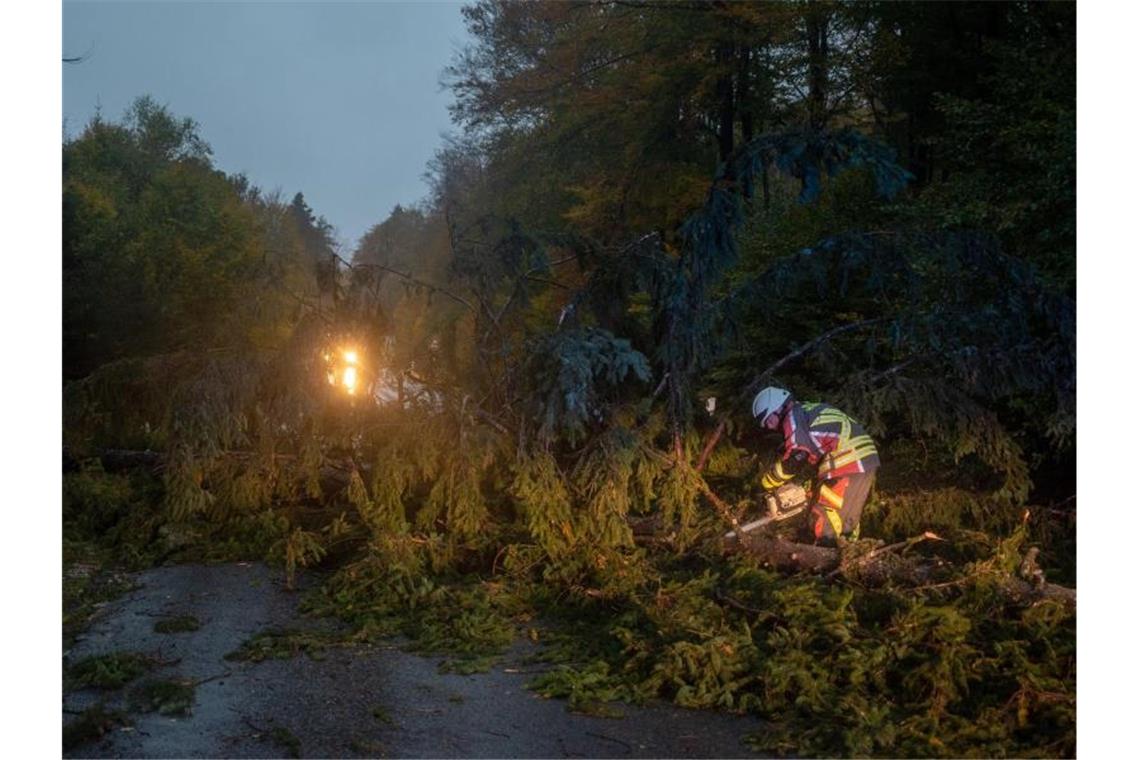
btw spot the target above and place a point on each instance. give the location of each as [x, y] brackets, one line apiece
[164, 696]
[180, 624]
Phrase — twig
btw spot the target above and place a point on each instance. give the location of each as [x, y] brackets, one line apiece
[495, 562]
[254, 726]
[627, 745]
[721, 505]
[732, 602]
[706, 452]
[196, 684]
[412, 279]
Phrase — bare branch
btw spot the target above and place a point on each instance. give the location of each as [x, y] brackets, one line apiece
[412, 279]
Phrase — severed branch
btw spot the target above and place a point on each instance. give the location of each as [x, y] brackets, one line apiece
[710, 444]
[722, 507]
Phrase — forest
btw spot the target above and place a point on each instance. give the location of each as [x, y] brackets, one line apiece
[521, 405]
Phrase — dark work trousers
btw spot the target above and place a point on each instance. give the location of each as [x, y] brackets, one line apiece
[838, 505]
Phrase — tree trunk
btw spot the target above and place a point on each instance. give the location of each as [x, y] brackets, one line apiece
[817, 39]
[726, 103]
[882, 566]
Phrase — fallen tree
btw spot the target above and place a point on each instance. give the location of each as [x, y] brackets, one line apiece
[873, 564]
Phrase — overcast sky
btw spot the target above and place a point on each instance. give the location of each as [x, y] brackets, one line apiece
[340, 101]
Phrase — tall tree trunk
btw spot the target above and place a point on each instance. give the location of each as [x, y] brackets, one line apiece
[817, 20]
[744, 95]
[726, 115]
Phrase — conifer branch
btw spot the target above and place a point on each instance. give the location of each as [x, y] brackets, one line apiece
[811, 345]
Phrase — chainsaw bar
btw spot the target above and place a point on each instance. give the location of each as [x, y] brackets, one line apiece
[755, 524]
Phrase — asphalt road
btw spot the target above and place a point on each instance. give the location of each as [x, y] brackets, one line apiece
[363, 701]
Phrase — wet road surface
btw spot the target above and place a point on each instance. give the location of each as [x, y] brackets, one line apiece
[360, 701]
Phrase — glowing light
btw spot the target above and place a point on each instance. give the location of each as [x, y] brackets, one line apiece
[350, 379]
[350, 356]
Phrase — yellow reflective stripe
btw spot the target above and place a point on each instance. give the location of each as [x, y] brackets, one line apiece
[844, 458]
[832, 497]
[775, 478]
[864, 448]
[835, 520]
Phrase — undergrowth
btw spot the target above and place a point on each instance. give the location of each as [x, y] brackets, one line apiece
[950, 669]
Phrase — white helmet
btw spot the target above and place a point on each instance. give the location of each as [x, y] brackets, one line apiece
[767, 401]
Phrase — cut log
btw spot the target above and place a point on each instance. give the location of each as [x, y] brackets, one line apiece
[878, 567]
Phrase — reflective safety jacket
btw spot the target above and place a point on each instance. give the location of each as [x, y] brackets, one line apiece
[821, 436]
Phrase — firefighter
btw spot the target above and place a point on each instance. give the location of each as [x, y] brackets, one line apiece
[823, 444]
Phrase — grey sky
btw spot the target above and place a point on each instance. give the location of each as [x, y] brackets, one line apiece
[340, 101]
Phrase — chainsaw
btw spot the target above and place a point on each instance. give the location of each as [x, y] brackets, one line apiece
[786, 501]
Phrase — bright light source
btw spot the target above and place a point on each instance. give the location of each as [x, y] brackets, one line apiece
[344, 368]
